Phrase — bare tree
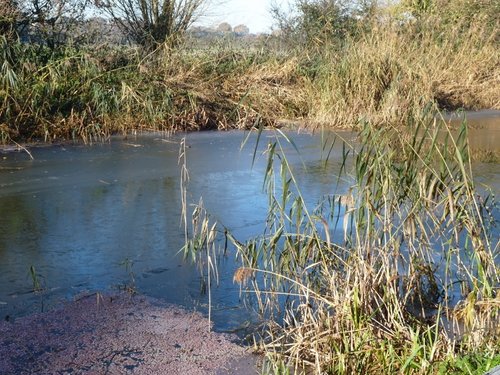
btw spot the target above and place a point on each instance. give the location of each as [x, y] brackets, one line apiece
[52, 22]
[153, 22]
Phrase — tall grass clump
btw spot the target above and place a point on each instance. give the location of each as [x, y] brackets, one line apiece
[89, 94]
[387, 73]
[76, 93]
[397, 274]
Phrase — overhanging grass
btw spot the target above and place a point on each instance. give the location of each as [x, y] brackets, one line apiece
[412, 284]
[91, 94]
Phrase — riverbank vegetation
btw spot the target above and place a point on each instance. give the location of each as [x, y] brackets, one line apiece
[396, 271]
[397, 274]
[329, 65]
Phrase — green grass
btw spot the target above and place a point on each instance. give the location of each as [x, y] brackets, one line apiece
[475, 363]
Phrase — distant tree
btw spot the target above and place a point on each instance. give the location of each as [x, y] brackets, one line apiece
[241, 30]
[150, 23]
[99, 30]
[224, 27]
[51, 22]
[456, 12]
[315, 22]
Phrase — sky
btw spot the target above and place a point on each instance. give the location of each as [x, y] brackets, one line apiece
[253, 13]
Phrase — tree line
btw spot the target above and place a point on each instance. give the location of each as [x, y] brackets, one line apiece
[150, 23]
[147, 23]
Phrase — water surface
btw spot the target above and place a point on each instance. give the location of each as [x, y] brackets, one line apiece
[82, 214]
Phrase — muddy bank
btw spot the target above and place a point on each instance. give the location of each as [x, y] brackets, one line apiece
[119, 334]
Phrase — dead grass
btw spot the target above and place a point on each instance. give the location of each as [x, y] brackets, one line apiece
[389, 74]
[384, 75]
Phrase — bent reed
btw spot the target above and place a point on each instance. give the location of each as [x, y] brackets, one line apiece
[399, 274]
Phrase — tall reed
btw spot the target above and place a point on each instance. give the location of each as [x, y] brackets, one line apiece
[399, 273]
